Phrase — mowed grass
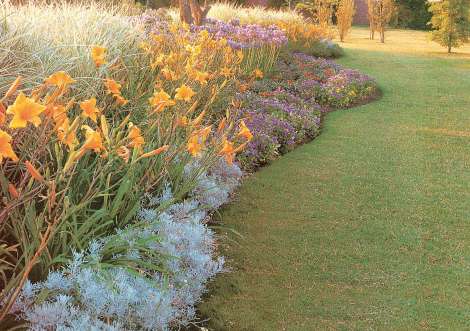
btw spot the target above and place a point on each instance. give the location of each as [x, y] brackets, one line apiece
[368, 226]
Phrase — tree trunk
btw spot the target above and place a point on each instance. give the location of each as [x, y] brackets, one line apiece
[382, 35]
[449, 49]
[191, 12]
[185, 11]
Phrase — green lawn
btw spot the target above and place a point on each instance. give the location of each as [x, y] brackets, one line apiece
[368, 226]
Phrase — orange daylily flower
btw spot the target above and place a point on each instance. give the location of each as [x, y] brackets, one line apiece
[98, 55]
[60, 79]
[243, 87]
[258, 73]
[120, 100]
[89, 109]
[244, 131]
[66, 135]
[226, 72]
[168, 74]
[201, 77]
[6, 150]
[25, 110]
[136, 138]
[194, 146]
[56, 112]
[184, 93]
[124, 153]
[33, 171]
[112, 86]
[93, 141]
[227, 151]
[161, 100]
[221, 126]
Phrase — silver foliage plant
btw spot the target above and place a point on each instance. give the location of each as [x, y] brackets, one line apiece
[89, 294]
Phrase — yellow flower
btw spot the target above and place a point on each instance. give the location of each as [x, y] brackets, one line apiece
[25, 110]
[184, 93]
[89, 109]
[194, 147]
[159, 61]
[112, 86]
[120, 100]
[226, 72]
[136, 138]
[228, 151]
[98, 54]
[5, 147]
[56, 112]
[204, 34]
[244, 131]
[66, 135]
[93, 141]
[160, 101]
[201, 77]
[168, 74]
[59, 79]
[258, 73]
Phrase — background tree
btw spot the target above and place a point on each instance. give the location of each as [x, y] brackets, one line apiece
[370, 15]
[381, 12]
[191, 12]
[411, 14]
[344, 17]
[450, 22]
[320, 10]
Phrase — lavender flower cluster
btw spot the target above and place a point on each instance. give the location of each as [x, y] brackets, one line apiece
[286, 110]
[240, 36]
[87, 296]
[328, 83]
[278, 122]
[152, 21]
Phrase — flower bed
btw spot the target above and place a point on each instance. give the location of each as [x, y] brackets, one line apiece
[286, 110]
[108, 183]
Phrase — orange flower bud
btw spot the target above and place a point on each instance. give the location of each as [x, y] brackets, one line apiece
[156, 151]
[13, 88]
[13, 191]
[33, 172]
